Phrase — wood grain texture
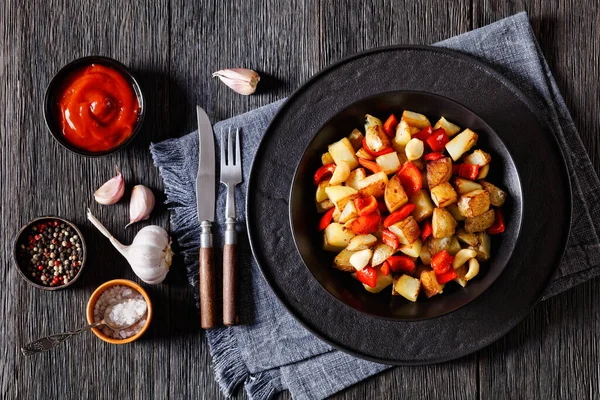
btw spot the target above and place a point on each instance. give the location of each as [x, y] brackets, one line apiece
[208, 290]
[174, 46]
[230, 284]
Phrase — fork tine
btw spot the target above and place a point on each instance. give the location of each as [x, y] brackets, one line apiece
[238, 155]
[229, 148]
[223, 161]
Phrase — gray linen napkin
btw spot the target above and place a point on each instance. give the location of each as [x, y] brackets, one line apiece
[271, 352]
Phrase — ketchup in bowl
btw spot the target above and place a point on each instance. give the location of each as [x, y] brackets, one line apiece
[96, 108]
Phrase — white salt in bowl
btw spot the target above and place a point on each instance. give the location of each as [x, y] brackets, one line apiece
[98, 292]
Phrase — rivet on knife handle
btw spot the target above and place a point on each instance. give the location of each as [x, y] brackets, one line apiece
[207, 278]
[230, 316]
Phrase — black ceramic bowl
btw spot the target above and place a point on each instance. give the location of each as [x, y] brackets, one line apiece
[304, 219]
[22, 239]
[50, 102]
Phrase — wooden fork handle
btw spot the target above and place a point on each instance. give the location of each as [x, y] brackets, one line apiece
[207, 282]
[230, 316]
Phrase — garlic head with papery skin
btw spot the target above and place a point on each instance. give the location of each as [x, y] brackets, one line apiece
[241, 80]
[112, 190]
[149, 255]
[141, 204]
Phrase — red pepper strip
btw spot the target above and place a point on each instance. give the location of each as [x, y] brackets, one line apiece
[370, 165]
[382, 207]
[387, 237]
[498, 225]
[375, 153]
[365, 205]
[442, 262]
[411, 178]
[401, 264]
[368, 276]
[426, 230]
[389, 127]
[366, 224]
[433, 156]
[446, 276]
[324, 170]
[423, 134]
[398, 215]
[326, 219]
[467, 171]
[438, 139]
[385, 268]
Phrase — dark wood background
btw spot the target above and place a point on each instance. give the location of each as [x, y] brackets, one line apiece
[174, 46]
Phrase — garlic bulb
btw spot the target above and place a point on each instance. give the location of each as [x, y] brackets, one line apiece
[149, 255]
[241, 80]
[141, 204]
[112, 190]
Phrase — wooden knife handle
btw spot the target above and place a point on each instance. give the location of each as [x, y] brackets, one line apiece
[207, 288]
[230, 316]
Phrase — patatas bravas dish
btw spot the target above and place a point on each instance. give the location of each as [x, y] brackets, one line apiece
[406, 204]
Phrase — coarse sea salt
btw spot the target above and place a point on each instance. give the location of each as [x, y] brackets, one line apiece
[122, 314]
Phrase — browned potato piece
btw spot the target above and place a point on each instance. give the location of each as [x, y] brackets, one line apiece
[461, 143]
[439, 171]
[454, 246]
[442, 223]
[461, 272]
[420, 269]
[362, 153]
[436, 245]
[342, 261]
[326, 158]
[321, 195]
[453, 209]
[464, 186]
[415, 119]
[483, 171]
[395, 196]
[407, 230]
[470, 239]
[343, 151]
[356, 175]
[423, 205]
[497, 195]
[340, 195]
[474, 203]
[336, 237]
[376, 138]
[356, 137]
[481, 222]
[324, 206]
[478, 157]
[443, 194]
[430, 285]
[420, 164]
[483, 247]
[373, 185]
[361, 242]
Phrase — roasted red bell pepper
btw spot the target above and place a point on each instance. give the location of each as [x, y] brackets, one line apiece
[426, 230]
[423, 134]
[375, 153]
[467, 171]
[402, 264]
[498, 225]
[387, 237]
[389, 127]
[368, 276]
[366, 224]
[411, 178]
[398, 215]
[442, 262]
[438, 139]
[321, 172]
[370, 165]
[365, 205]
[385, 268]
[446, 276]
[326, 219]
[433, 156]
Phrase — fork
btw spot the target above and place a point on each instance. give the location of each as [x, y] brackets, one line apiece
[231, 175]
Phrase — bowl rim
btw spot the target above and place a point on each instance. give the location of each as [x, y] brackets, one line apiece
[73, 65]
[16, 249]
[293, 225]
[94, 298]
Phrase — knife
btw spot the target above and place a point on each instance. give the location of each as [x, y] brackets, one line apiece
[205, 199]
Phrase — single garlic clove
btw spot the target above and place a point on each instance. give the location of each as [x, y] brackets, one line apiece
[241, 80]
[112, 190]
[141, 204]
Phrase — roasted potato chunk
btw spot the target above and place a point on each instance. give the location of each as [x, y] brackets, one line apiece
[470, 239]
[423, 205]
[336, 237]
[450, 128]
[348, 213]
[464, 186]
[394, 196]
[403, 135]
[321, 195]
[425, 256]
[481, 222]
[497, 195]
[373, 185]
[453, 209]
[415, 119]
[461, 143]
[381, 252]
[454, 246]
[376, 138]
[343, 151]
[413, 249]
[407, 287]
[372, 121]
[474, 203]
[361, 242]
[342, 261]
[381, 283]
[340, 195]
[326, 158]
[341, 173]
[483, 247]
[356, 175]
[439, 171]
[460, 275]
[362, 153]
[429, 283]
[407, 230]
[356, 137]
[389, 163]
[436, 245]
[324, 206]
[483, 172]
[442, 223]
[478, 157]
[443, 194]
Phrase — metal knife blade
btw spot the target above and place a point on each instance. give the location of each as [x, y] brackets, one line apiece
[205, 180]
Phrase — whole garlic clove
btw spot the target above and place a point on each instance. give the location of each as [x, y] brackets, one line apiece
[241, 80]
[141, 204]
[112, 190]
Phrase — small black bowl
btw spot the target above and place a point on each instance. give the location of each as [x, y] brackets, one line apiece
[50, 112]
[304, 218]
[21, 238]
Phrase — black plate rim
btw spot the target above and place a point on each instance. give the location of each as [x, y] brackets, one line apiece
[501, 79]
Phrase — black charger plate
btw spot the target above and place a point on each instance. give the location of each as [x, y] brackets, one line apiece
[544, 208]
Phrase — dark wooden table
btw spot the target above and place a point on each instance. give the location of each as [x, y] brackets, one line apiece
[174, 47]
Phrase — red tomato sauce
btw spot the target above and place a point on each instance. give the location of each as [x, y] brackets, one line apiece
[98, 108]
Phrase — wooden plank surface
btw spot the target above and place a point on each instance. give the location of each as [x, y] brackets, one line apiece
[174, 46]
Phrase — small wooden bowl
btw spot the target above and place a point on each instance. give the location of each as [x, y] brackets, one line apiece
[92, 303]
[19, 238]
